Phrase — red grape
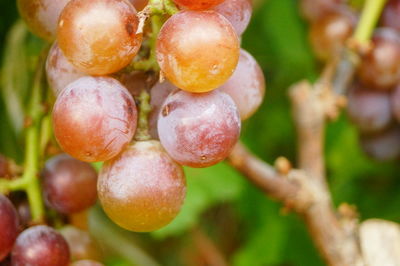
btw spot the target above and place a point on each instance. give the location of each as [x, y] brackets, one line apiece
[42, 16]
[143, 188]
[396, 102]
[137, 81]
[390, 15]
[99, 36]
[199, 130]
[316, 9]
[197, 50]
[246, 86]
[8, 226]
[198, 4]
[60, 72]
[369, 110]
[380, 67]
[384, 146]
[40, 246]
[139, 4]
[81, 245]
[62, 176]
[94, 118]
[238, 12]
[86, 263]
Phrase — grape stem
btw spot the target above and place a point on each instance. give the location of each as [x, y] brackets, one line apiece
[142, 133]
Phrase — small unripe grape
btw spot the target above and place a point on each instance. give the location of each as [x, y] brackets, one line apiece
[238, 12]
[369, 110]
[315, 9]
[99, 36]
[8, 226]
[198, 4]
[329, 34]
[62, 176]
[42, 16]
[94, 118]
[197, 50]
[380, 67]
[384, 146]
[40, 246]
[142, 189]
[390, 15]
[81, 245]
[86, 263]
[60, 72]
[199, 130]
[246, 86]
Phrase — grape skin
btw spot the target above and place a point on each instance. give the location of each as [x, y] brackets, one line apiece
[61, 177]
[99, 36]
[139, 4]
[81, 245]
[198, 4]
[187, 47]
[246, 86]
[40, 246]
[60, 72]
[94, 118]
[199, 130]
[42, 16]
[384, 146]
[8, 226]
[86, 263]
[314, 10]
[238, 12]
[142, 189]
[390, 15]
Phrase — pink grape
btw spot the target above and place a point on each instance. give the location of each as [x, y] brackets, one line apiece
[8, 226]
[198, 4]
[238, 12]
[384, 146]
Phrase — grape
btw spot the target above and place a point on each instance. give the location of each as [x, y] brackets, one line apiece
[143, 188]
[198, 130]
[197, 51]
[137, 81]
[384, 146]
[81, 245]
[380, 67]
[369, 110]
[396, 102]
[94, 118]
[390, 15]
[316, 9]
[139, 4]
[159, 93]
[8, 226]
[62, 176]
[246, 86]
[238, 12]
[40, 246]
[329, 33]
[59, 70]
[99, 36]
[42, 16]
[198, 4]
[86, 263]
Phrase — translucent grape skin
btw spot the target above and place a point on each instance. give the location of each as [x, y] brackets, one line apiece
[94, 118]
[69, 185]
[390, 15]
[199, 130]
[187, 49]
[369, 110]
[238, 12]
[81, 245]
[329, 33]
[246, 86]
[198, 4]
[380, 67]
[86, 263]
[60, 72]
[142, 189]
[316, 9]
[8, 226]
[384, 146]
[40, 246]
[42, 16]
[99, 36]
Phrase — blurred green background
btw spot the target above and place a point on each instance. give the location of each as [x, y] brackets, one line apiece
[222, 210]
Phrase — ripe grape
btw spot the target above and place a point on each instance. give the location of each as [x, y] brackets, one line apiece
[246, 86]
[62, 176]
[390, 15]
[198, 4]
[315, 9]
[81, 245]
[40, 246]
[42, 16]
[139, 4]
[60, 72]
[94, 118]
[380, 67]
[137, 81]
[99, 36]
[143, 188]
[384, 146]
[238, 12]
[8, 226]
[86, 263]
[329, 33]
[396, 102]
[369, 110]
[197, 51]
[199, 130]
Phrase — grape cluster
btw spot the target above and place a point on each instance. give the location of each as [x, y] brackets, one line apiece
[185, 109]
[374, 98]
